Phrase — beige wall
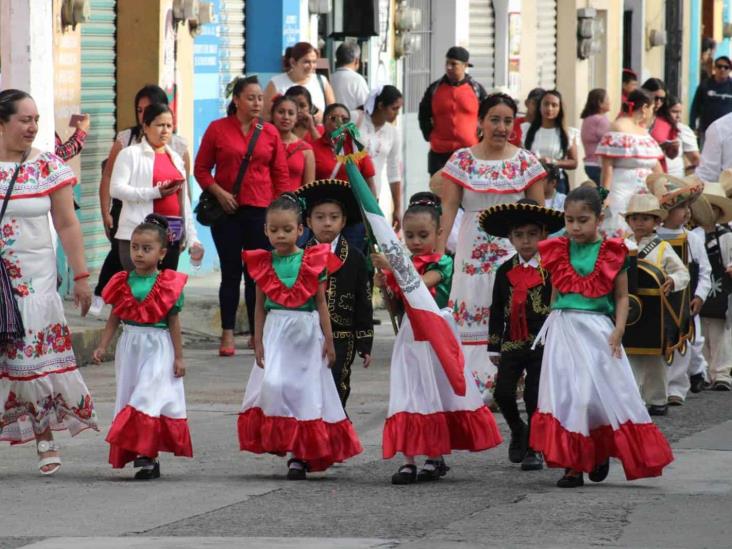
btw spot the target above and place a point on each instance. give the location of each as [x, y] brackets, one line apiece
[653, 58]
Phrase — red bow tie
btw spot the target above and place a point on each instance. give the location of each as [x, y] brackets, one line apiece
[522, 278]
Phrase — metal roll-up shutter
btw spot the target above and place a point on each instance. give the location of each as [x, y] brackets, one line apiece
[232, 41]
[481, 42]
[546, 43]
[98, 98]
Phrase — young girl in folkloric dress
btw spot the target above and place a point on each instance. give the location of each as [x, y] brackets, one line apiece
[150, 411]
[426, 417]
[589, 406]
[291, 402]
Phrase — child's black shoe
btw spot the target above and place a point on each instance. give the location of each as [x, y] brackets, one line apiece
[600, 472]
[518, 445]
[532, 461]
[407, 474]
[571, 481]
[148, 473]
[296, 469]
[433, 470]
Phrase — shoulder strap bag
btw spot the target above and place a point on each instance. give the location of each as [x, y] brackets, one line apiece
[209, 210]
[11, 323]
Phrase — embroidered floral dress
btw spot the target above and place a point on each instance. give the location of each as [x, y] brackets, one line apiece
[485, 183]
[633, 158]
[40, 386]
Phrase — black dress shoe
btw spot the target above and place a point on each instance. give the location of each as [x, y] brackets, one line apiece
[148, 473]
[697, 383]
[658, 410]
[571, 481]
[296, 473]
[600, 472]
[407, 474]
[532, 461]
[518, 445]
[440, 470]
[721, 386]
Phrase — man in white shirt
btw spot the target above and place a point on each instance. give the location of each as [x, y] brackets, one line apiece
[717, 151]
[349, 87]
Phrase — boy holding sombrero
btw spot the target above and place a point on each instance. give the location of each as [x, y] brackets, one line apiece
[330, 206]
[712, 213]
[643, 215]
[521, 299]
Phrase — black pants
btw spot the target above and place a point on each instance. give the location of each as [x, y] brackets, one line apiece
[511, 368]
[345, 349]
[111, 265]
[170, 261]
[435, 161]
[243, 230]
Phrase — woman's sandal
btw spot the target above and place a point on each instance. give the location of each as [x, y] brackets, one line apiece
[43, 447]
[439, 469]
[407, 474]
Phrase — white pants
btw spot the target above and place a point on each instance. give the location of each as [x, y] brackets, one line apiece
[650, 375]
[697, 362]
[718, 348]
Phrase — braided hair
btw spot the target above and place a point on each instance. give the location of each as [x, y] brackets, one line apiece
[425, 202]
[289, 202]
[157, 224]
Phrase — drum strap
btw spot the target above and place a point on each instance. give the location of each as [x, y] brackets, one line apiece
[652, 245]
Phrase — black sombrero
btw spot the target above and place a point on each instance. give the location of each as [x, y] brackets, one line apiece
[497, 220]
[322, 190]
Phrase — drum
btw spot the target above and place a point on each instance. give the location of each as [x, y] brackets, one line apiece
[657, 324]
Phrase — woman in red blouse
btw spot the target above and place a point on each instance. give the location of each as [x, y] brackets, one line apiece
[222, 149]
[663, 128]
[300, 159]
[324, 149]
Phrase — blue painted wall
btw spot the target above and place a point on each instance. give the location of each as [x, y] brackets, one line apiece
[271, 27]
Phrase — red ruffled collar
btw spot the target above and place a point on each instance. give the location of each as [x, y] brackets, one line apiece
[315, 260]
[421, 262]
[151, 310]
[610, 259]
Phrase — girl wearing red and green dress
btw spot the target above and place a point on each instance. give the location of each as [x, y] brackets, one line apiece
[589, 407]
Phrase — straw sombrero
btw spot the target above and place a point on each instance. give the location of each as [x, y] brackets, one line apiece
[498, 220]
[672, 191]
[725, 179]
[645, 203]
[322, 190]
[713, 195]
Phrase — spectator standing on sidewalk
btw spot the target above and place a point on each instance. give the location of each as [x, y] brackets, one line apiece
[73, 145]
[448, 112]
[713, 98]
[349, 87]
[595, 124]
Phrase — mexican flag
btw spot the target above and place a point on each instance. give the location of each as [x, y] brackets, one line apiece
[424, 316]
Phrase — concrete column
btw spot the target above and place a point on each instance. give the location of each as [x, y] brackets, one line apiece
[26, 46]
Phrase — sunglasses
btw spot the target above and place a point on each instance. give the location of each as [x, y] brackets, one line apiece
[722, 67]
[659, 99]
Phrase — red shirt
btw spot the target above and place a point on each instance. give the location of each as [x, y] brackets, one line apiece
[516, 134]
[663, 131]
[325, 161]
[164, 171]
[224, 145]
[296, 162]
[455, 118]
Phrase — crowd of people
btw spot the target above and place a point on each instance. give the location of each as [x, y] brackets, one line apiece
[538, 283]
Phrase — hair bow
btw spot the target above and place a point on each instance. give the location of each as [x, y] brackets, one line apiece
[370, 105]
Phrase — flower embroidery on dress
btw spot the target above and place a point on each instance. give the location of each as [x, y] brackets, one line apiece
[488, 253]
[628, 145]
[38, 177]
[498, 176]
[55, 338]
[469, 315]
[44, 410]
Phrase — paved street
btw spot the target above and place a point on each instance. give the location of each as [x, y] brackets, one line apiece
[223, 498]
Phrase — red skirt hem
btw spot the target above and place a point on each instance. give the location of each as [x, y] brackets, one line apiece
[439, 433]
[641, 447]
[134, 433]
[317, 442]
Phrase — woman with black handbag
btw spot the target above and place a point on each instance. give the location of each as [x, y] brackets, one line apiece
[41, 389]
[250, 171]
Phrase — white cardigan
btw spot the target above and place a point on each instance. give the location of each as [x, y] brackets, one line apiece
[132, 183]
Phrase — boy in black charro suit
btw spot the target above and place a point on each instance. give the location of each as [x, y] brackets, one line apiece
[330, 206]
[521, 302]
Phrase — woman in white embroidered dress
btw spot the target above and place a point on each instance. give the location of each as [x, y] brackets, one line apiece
[41, 389]
[489, 173]
[629, 154]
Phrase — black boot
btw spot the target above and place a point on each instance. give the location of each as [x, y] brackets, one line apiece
[296, 473]
[571, 481]
[519, 444]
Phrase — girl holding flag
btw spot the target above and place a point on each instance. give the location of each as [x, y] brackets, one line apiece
[426, 415]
